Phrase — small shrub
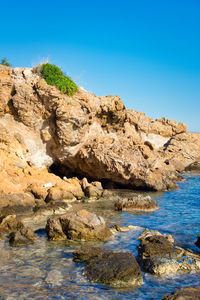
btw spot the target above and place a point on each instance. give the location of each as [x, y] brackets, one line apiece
[54, 76]
[4, 62]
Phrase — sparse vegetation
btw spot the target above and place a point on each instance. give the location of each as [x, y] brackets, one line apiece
[4, 62]
[54, 76]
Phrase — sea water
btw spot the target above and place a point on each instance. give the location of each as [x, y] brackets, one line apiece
[45, 270]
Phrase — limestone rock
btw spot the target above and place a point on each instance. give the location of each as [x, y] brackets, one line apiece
[136, 203]
[94, 137]
[92, 190]
[82, 225]
[157, 255]
[110, 268]
[22, 237]
[54, 229]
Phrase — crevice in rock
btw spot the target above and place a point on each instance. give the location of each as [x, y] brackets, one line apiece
[62, 171]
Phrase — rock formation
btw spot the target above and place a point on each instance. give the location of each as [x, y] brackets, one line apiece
[87, 136]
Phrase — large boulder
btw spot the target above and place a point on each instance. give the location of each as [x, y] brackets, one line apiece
[110, 268]
[187, 293]
[81, 225]
[136, 203]
[94, 137]
[157, 255]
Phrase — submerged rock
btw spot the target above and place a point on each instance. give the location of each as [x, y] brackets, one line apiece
[157, 255]
[136, 203]
[54, 278]
[110, 268]
[188, 293]
[81, 225]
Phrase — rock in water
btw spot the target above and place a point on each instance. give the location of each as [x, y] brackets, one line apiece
[110, 268]
[54, 278]
[54, 229]
[136, 203]
[188, 293]
[197, 243]
[22, 237]
[157, 255]
[81, 225]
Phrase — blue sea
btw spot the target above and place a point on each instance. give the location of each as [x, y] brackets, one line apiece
[45, 270]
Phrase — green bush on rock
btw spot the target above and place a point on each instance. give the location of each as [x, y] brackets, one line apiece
[4, 62]
[54, 76]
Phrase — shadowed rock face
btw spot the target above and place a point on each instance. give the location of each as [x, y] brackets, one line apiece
[109, 268]
[188, 293]
[92, 136]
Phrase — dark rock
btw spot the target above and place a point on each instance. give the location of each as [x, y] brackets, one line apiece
[22, 237]
[54, 229]
[197, 243]
[188, 293]
[157, 255]
[109, 268]
[195, 166]
[136, 203]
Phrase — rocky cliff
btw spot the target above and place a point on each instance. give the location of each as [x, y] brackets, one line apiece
[86, 136]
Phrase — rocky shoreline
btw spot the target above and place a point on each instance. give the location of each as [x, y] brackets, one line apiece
[58, 152]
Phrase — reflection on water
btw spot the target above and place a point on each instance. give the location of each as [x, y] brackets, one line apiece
[45, 270]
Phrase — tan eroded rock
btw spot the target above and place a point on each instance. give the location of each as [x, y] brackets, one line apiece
[82, 225]
[92, 136]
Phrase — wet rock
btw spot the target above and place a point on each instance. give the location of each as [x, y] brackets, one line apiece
[110, 268]
[136, 203]
[188, 293]
[22, 237]
[81, 225]
[197, 243]
[157, 255]
[54, 230]
[10, 223]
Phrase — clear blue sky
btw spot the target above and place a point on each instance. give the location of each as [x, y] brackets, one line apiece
[146, 51]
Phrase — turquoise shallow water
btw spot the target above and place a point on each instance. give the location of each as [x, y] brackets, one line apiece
[45, 270]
